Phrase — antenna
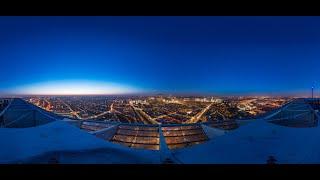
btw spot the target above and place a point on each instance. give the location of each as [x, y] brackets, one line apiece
[312, 92]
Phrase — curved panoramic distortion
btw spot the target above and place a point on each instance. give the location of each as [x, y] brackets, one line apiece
[170, 142]
[159, 90]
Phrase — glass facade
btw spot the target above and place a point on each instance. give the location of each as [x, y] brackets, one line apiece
[137, 137]
[148, 137]
[183, 136]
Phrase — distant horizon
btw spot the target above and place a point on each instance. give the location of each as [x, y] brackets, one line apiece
[166, 94]
[185, 93]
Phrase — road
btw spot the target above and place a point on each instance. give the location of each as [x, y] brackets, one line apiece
[196, 118]
[49, 104]
[72, 111]
[139, 115]
[144, 115]
[112, 110]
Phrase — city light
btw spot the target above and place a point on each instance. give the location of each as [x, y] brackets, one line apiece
[157, 110]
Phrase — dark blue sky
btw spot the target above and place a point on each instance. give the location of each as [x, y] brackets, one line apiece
[219, 55]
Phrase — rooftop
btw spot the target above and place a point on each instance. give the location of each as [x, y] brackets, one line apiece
[32, 135]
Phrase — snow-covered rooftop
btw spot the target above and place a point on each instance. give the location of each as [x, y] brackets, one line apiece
[255, 143]
[72, 144]
[58, 141]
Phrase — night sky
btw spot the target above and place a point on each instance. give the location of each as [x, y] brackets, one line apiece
[110, 55]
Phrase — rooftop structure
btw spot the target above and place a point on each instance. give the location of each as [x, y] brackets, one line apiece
[32, 135]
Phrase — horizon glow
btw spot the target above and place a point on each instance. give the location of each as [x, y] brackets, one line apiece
[74, 87]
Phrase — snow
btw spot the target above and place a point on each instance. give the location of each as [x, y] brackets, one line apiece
[251, 143]
[75, 146]
[254, 143]
[212, 132]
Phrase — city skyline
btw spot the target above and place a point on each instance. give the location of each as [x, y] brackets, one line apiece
[149, 55]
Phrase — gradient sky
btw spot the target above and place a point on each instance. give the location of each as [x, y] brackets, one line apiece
[219, 55]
